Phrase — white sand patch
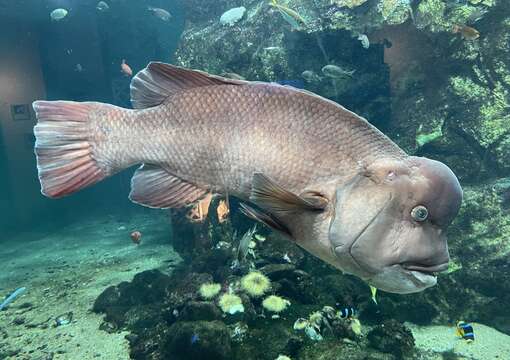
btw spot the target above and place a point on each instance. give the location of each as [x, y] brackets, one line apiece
[489, 344]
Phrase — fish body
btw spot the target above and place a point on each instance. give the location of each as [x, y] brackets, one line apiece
[244, 243]
[465, 331]
[291, 16]
[373, 293]
[200, 210]
[102, 6]
[310, 76]
[336, 72]
[346, 313]
[160, 13]
[301, 164]
[222, 211]
[364, 41]
[467, 32]
[58, 14]
[136, 237]
[125, 68]
[12, 297]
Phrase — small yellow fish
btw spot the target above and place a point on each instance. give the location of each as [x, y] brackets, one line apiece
[373, 291]
[200, 210]
[289, 15]
[467, 32]
[222, 211]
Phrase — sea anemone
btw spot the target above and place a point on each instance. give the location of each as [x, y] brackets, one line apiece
[275, 303]
[209, 290]
[316, 319]
[301, 324]
[231, 304]
[283, 357]
[255, 283]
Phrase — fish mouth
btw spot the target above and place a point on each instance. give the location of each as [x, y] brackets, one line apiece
[425, 269]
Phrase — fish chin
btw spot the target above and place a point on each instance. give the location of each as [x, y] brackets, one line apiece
[396, 279]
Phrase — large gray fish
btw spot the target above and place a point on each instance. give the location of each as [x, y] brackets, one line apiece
[306, 166]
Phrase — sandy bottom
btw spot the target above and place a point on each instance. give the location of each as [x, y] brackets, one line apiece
[65, 272]
[489, 343]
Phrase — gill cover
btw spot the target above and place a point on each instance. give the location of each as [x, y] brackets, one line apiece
[357, 206]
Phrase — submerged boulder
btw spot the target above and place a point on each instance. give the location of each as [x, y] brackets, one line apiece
[197, 340]
[392, 337]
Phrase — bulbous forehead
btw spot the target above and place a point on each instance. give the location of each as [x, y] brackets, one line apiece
[421, 181]
[440, 191]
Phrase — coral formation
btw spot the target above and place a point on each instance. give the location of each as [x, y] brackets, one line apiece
[209, 290]
[255, 284]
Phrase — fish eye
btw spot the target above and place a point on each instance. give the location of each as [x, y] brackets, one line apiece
[419, 213]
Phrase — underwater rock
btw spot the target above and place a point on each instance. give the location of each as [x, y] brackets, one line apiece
[200, 310]
[392, 337]
[197, 340]
[267, 339]
[148, 287]
[279, 271]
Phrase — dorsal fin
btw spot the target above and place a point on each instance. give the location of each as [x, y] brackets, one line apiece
[151, 86]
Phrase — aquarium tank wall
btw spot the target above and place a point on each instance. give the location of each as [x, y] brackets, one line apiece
[255, 179]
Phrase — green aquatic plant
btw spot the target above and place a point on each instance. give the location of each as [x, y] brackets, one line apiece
[394, 12]
[209, 290]
[430, 14]
[255, 284]
[349, 3]
[453, 267]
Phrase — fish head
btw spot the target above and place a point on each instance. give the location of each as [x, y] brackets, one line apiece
[388, 223]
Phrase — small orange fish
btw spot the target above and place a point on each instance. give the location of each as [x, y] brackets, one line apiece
[136, 237]
[125, 68]
[199, 212]
[222, 210]
[467, 32]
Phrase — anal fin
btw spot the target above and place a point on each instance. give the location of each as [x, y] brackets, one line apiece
[154, 187]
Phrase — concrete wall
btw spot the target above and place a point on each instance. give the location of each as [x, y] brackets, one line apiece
[21, 82]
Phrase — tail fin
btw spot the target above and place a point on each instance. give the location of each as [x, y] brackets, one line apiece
[65, 160]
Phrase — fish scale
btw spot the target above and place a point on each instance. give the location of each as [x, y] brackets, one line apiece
[266, 128]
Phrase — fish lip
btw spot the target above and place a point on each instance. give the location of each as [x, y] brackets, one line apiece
[428, 270]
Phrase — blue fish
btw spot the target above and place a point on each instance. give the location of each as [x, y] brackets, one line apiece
[11, 297]
[347, 312]
[194, 338]
[465, 331]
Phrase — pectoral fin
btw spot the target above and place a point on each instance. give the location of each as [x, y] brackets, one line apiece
[275, 199]
[264, 218]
